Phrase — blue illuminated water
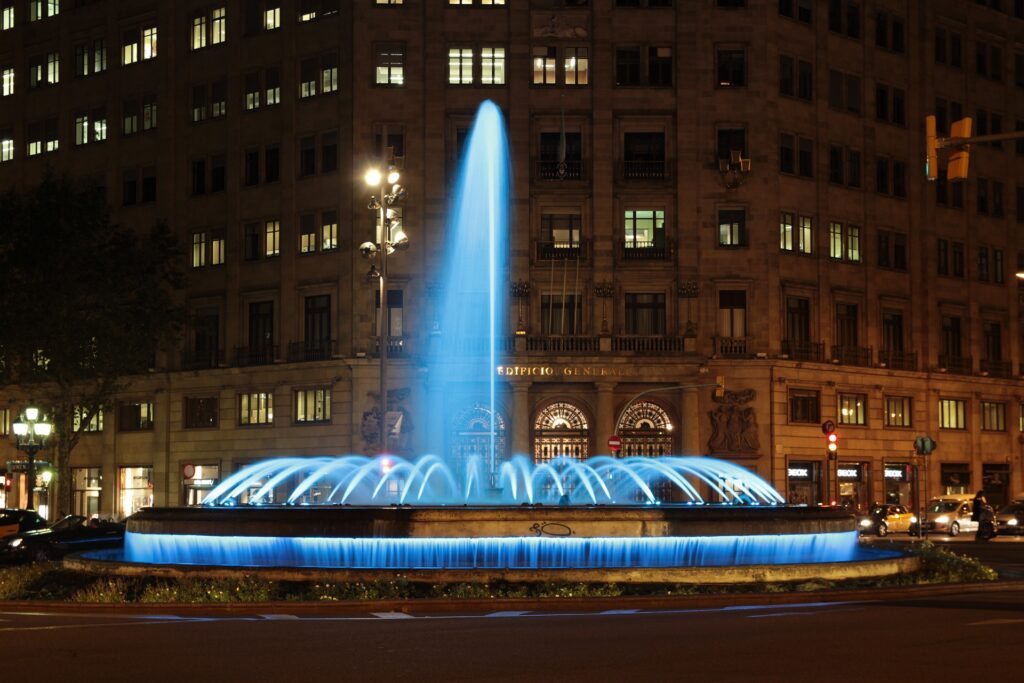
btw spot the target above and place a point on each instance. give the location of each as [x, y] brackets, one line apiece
[472, 308]
[491, 553]
[429, 480]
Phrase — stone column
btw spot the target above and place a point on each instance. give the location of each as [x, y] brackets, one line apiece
[521, 418]
[691, 422]
[605, 415]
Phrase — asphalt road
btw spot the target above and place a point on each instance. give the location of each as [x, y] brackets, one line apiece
[936, 639]
[923, 639]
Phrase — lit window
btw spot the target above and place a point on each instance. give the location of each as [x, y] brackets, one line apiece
[577, 66]
[390, 66]
[148, 112]
[219, 32]
[256, 408]
[217, 251]
[135, 416]
[272, 80]
[897, 411]
[786, 231]
[198, 249]
[7, 17]
[460, 66]
[853, 409]
[492, 63]
[313, 405]
[149, 42]
[544, 61]
[272, 237]
[53, 68]
[329, 230]
[307, 234]
[7, 76]
[645, 229]
[272, 18]
[82, 129]
[95, 424]
[993, 416]
[329, 73]
[199, 32]
[130, 48]
[952, 413]
[6, 146]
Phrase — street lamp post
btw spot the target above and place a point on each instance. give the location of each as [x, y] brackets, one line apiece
[390, 237]
[31, 432]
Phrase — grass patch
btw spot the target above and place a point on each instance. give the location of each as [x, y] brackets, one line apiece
[49, 581]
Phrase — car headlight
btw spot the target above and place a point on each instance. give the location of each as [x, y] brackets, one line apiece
[15, 542]
[865, 522]
[1012, 522]
[942, 520]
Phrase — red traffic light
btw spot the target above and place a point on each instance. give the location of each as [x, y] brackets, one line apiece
[833, 442]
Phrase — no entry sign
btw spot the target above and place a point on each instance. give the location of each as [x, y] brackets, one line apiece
[614, 443]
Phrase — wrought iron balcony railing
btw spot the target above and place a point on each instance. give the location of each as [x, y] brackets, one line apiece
[897, 360]
[645, 170]
[803, 350]
[561, 251]
[566, 344]
[312, 349]
[255, 355]
[645, 251]
[648, 344]
[202, 360]
[571, 169]
[851, 355]
[731, 347]
[996, 368]
[960, 365]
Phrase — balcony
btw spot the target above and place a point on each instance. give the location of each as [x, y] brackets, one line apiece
[996, 368]
[646, 344]
[561, 251]
[255, 355]
[312, 349]
[851, 355]
[645, 251]
[645, 170]
[897, 360]
[959, 365]
[731, 347]
[548, 169]
[563, 344]
[396, 346]
[202, 360]
[804, 350]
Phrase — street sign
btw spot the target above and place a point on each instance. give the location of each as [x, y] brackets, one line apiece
[828, 426]
[615, 443]
[188, 471]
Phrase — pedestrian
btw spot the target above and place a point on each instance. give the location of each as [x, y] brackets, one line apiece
[978, 510]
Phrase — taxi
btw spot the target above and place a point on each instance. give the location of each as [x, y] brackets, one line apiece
[14, 521]
[885, 519]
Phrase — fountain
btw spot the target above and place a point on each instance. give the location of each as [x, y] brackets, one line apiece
[483, 515]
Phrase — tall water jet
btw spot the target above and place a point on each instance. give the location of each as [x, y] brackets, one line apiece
[472, 304]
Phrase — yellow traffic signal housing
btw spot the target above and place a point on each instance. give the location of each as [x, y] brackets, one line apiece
[961, 155]
[720, 388]
[931, 162]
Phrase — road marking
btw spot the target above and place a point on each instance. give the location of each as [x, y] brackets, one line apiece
[993, 622]
[620, 611]
[392, 615]
[279, 617]
[510, 613]
[65, 627]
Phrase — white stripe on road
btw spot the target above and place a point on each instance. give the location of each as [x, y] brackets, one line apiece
[509, 613]
[993, 622]
[392, 615]
[279, 617]
[620, 611]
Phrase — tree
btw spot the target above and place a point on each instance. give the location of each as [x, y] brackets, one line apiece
[84, 305]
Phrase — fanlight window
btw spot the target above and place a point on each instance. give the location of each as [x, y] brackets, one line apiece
[646, 430]
[475, 434]
[560, 429]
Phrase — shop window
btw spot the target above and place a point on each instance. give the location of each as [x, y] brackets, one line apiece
[804, 406]
[898, 483]
[804, 479]
[135, 488]
[955, 478]
[87, 484]
[952, 413]
[198, 481]
[897, 411]
[853, 409]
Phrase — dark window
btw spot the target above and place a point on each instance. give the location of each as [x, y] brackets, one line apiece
[659, 66]
[645, 314]
[134, 417]
[803, 406]
[958, 259]
[805, 158]
[787, 80]
[836, 167]
[272, 164]
[307, 156]
[328, 152]
[899, 179]
[627, 66]
[217, 173]
[200, 412]
[317, 323]
[732, 67]
[252, 167]
[198, 176]
[261, 326]
[943, 257]
[251, 240]
[892, 331]
[992, 340]
[798, 319]
[730, 140]
[982, 195]
[847, 329]
[787, 161]
[951, 336]
[148, 185]
[805, 80]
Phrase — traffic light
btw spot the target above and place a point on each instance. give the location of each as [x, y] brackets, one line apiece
[961, 155]
[833, 444]
[8, 482]
[931, 162]
[720, 386]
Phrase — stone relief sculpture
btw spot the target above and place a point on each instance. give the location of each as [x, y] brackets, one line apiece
[734, 424]
[558, 28]
[399, 422]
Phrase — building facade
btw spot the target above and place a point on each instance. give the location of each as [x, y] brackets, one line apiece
[721, 188]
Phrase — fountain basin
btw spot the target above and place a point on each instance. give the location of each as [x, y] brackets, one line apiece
[647, 544]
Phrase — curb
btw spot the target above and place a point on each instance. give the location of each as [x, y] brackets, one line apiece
[449, 606]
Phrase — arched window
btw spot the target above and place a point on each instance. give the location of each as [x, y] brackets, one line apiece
[475, 434]
[645, 430]
[560, 429]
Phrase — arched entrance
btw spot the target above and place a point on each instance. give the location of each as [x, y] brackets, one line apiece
[474, 433]
[560, 428]
[645, 430]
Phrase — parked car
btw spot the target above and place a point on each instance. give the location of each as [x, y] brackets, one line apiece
[886, 518]
[69, 535]
[1010, 519]
[14, 521]
[950, 515]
